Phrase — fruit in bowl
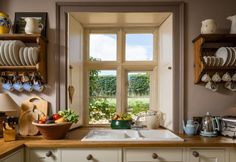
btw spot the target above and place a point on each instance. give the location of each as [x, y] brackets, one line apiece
[57, 125]
[123, 121]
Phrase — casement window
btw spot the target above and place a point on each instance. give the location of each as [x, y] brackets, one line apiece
[120, 70]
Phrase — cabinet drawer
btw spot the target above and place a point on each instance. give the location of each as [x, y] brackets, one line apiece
[153, 154]
[91, 154]
[42, 155]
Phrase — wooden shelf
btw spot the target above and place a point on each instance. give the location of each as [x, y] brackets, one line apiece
[207, 45]
[41, 42]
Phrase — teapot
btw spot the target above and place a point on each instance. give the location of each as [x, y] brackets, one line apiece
[208, 26]
[191, 127]
[233, 25]
[33, 26]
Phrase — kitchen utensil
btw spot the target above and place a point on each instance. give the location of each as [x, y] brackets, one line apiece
[30, 57]
[206, 78]
[216, 77]
[212, 86]
[8, 86]
[21, 56]
[31, 109]
[26, 58]
[229, 57]
[35, 55]
[208, 26]
[6, 54]
[233, 24]
[210, 126]
[191, 127]
[3, 59]
[53, 131]
[28, 87]
[33, 26]
[230, 85]
[18, 86]
[16, 47]
[5, 23]
[222, 52]
[11, 53]
[226, 77]
[234, 77]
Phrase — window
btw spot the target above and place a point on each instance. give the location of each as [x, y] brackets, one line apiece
[120, 66]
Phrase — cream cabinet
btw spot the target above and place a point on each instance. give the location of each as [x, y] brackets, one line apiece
[42, 155]
[232, 155]
[153, 154]
[17, 156]
[207, 155]
[92, 154]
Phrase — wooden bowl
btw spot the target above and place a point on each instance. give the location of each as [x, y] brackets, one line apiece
[53, 131]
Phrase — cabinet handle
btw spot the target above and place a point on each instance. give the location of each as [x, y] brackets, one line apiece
[195, 154]
[154, 156]
[49, 153]
[169, 67]
[89, 157]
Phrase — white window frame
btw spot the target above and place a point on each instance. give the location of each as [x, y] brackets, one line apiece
[121, 66]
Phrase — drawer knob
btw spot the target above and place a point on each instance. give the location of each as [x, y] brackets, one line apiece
[154, 156]
[49, 153]
[89, 157]
[195, 154]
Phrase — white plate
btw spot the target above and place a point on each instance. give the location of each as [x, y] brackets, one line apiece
[1, 62]
[222, 52]
[30, 56]
[233, 56]
[17, 45]
[6, 54]
[21, 56]
[2, 54]
[35, 55]
[229, 58]
[26, 56]
[11, 44]
[234, 49]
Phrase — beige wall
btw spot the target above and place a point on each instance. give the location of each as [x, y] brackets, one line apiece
[198, 100]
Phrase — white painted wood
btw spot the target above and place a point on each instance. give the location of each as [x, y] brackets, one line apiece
[17, 156]
[90, 19]
[232, 155]
[75, 66]
[39, 155]
[145, 154]
[207, 155]
[165, 75]
[98, 154]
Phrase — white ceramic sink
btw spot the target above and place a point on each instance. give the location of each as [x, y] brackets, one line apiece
[131, 135]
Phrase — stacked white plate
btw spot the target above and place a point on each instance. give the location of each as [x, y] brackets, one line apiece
[228, 55]
[15, 53]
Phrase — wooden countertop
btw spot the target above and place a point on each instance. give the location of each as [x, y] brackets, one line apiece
[73, 140]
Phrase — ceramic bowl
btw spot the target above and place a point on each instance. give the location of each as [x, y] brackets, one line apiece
[121, 124]
[53, 131]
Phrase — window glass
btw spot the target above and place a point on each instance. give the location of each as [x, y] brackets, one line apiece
[138, 93]
[103, 47]
[102, 96]
[139, 47]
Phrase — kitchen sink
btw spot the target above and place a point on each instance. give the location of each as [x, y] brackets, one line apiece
[131, 135]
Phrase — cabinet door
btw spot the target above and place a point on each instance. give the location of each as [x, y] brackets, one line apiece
[153, 154]
[91, 154]
[17, 156]
[42, 155]
[232, 155]
[206, 155]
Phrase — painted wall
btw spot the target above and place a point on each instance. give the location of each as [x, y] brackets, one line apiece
[198, 100]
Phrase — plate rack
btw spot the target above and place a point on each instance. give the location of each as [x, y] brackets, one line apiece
[207, 45]
[40, 67]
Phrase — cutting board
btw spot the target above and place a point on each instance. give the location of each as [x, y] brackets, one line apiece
[31, 109]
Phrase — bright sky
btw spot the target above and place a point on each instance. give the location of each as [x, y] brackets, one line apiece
[139, 47]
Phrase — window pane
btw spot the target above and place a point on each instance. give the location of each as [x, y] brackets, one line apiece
[138, 93]
[139, 47]
[103, 47]
[102, 100]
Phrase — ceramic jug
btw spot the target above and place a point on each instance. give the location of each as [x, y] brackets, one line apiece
[208, 26]
[33, 26]
[233, 24]
[5, 23]
[191, 127]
